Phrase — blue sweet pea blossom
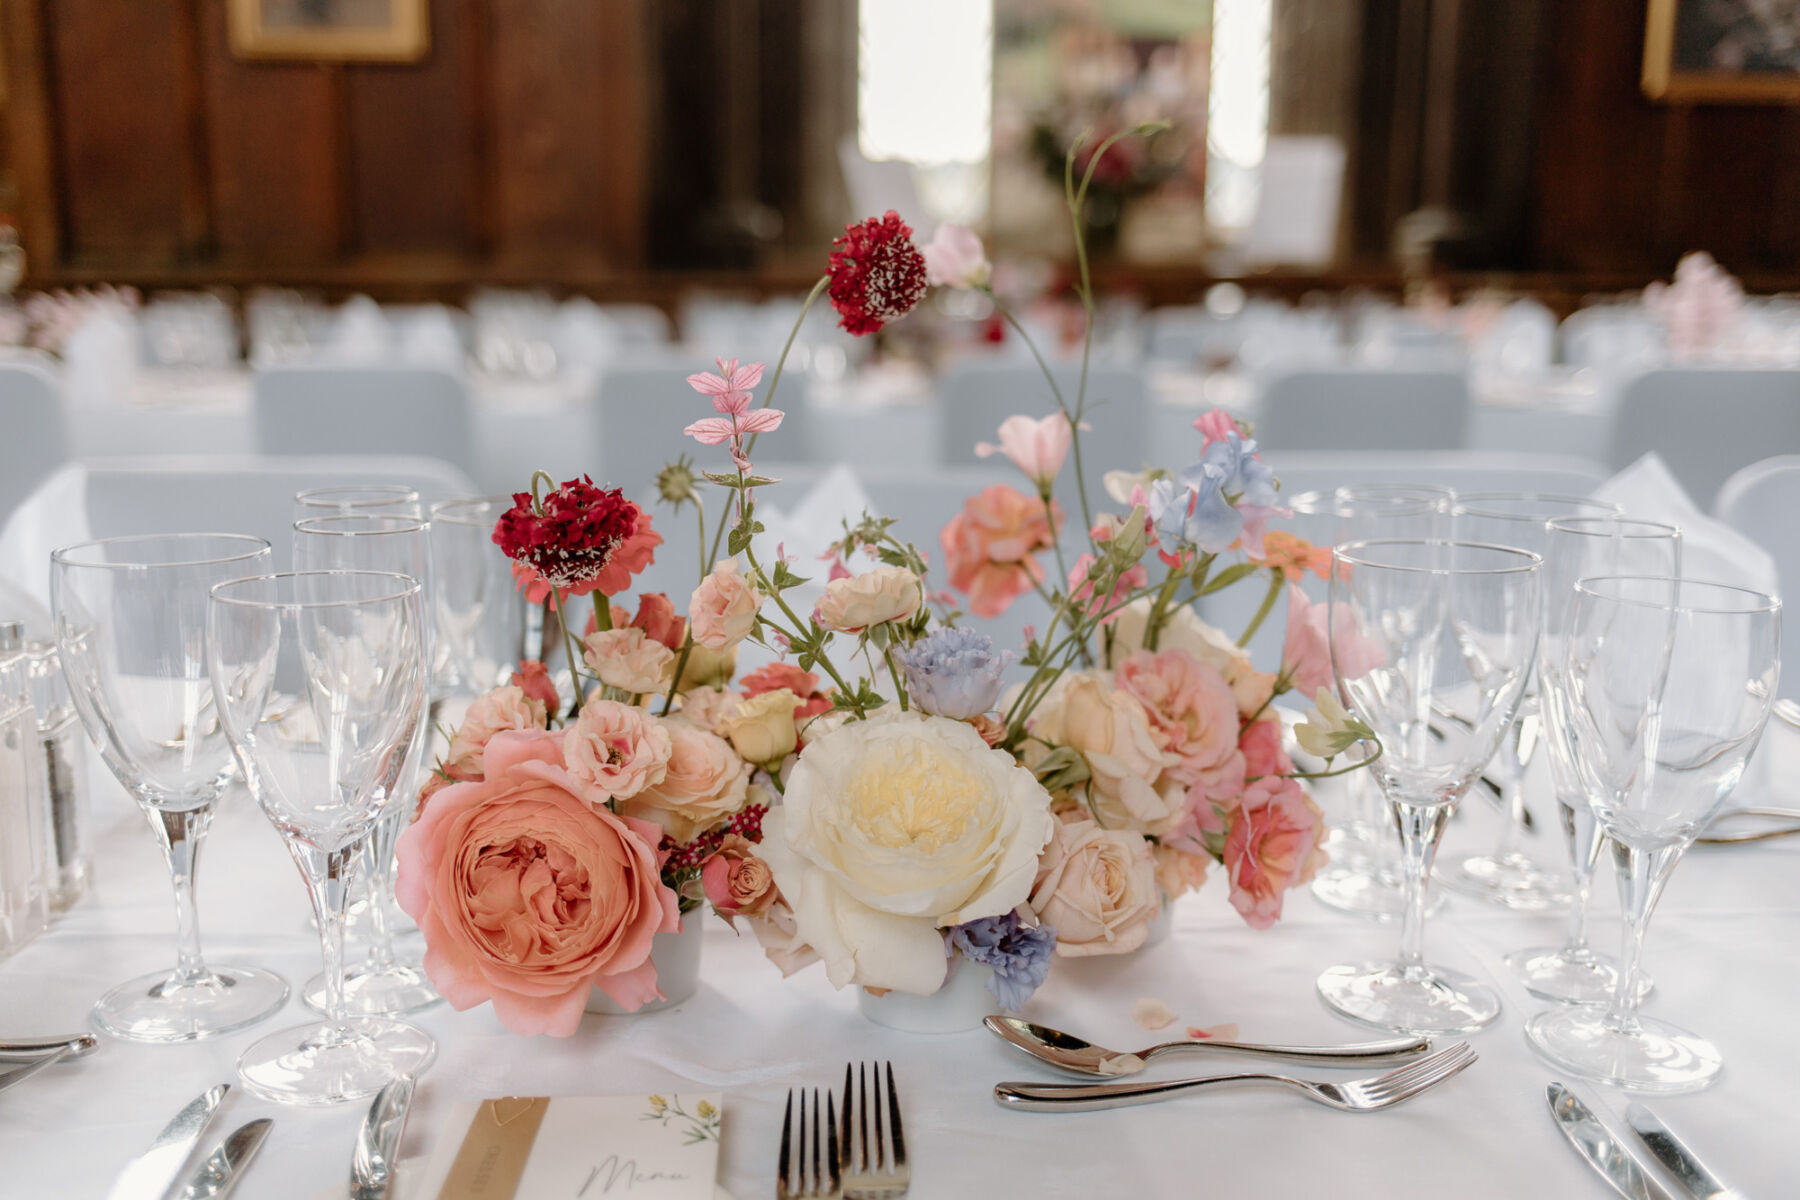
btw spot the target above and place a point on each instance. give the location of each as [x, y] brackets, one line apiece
[1019, 954]
[1215, 524]
[953, 673]
[1168, 508]
[1231, 464]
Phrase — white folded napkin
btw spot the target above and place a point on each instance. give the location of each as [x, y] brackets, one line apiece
[1710, 550]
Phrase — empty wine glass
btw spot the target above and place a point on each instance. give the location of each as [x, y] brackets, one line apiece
[345, 652]
[1669, 684]
[384, 981]
[1574, 549]
[1451, 627]
[396, 499]
[131, 632]
[1509, 876]
[478, 614]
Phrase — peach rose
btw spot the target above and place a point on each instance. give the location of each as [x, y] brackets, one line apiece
[655, 616]
[705, 782]
[533, 678]
[1125, 757]
[1178, 871]
[803, 684]
[722, 611]
[1191, 707]
[628, 660]
[1097, 888]
[855, 602]
[616, 750]
[761, 728]
[736, 881]
[529, 891]
[493, 712]
[707, 707]
[1274, 842]
[990, 546]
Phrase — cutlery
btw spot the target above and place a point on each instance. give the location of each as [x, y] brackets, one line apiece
[1070, 1053]
[872, 1169]
[1788, 711]
[372, 1166]
[41, 1063]
[823, 1181]
[1750, 835]
[18, 1048]
[1597, 1146]
[1673, 1153]
[1352, 1095]
[149, 1175]
[214, 1178]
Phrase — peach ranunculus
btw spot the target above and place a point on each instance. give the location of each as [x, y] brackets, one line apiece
[1294, 556]
[990, 546]
[1097, 888]
[722, 611]
[1191, 707]
[705, 782]
[852, 603]
[1037, 446]
[494, 712]
[529, 891]
[626, 659]
[1125, 757]
[708, 707]
[656, 616]
[1274, 842]
[738, 883]
[1307, 649]
[616, 750]
[803, 684]
[761, 728]
[1178, 871]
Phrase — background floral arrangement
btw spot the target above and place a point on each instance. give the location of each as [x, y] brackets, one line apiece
[889, 819]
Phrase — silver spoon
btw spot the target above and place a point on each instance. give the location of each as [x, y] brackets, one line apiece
[1069, 1053]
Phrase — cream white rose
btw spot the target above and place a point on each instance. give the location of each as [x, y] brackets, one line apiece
[856, 602]
[894, 827]
[1183, 630]
[1098, 888]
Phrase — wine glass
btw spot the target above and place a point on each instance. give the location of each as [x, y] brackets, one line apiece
[130, 616]
[478, 614]
[1669, 684]
[1452, 627]
[1509, 876]
[1575, 548]
[396, 499]
[384, 981]
[344, 651]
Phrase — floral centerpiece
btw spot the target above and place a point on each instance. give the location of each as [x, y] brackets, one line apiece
[880, 798]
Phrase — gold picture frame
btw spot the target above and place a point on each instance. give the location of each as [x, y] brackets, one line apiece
[1715, 56]
[330, 30]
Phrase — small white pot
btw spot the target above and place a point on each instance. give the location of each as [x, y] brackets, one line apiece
[677, 960]
[956, 1007]
[1161, 926]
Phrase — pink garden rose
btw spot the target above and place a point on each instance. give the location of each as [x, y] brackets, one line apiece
[1262, 749]
[1306, 650]
[502, 709]
[1125, 755]
[533, 678]
[1273, 843]
[615, 750]
[738, 883]
[705, 782]
[1037, 446]
[628, 660]
[1191, 707]
[1097, 888]
[992, 544]
[708, 707]
[722, 611]
[529, 891]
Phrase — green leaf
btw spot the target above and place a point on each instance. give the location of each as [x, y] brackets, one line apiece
[1228, 576]
[784, 579]
[728, 480]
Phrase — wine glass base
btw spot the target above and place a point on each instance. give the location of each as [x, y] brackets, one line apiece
[399, 988]
[153, 1008]
[1426, 1000]
[1376, 895]
[1553, 973]
[1512, 881]
[322, 1064]
[1656, 1057]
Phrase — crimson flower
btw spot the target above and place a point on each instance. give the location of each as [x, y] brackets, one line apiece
[586, 538]
[877, 274]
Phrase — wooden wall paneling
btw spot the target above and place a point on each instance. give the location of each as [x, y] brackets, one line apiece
[623, 70]
[30, 118]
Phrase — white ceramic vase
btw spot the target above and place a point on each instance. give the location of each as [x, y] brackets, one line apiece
[1162, 926]
[677, 959]
[956, 1007]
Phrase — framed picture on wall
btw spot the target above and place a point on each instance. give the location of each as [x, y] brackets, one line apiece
[1732, 51]
[330, 30]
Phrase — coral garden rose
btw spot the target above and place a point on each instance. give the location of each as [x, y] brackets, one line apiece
[628, 660]
[1112, 731]
[761, 728]
[991, 545]
[1098, 888]
[502, 709]
[656, 616]
[704, 782]
[616, 750]
[894, 827]
[855, 602]
[736, 881]
[530, 892]
[1274, 842]
[533, 678]
[1191, 707]
[722, 611]
[803, 684]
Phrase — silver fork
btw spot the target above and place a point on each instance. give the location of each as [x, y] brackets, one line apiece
[874, 1168]
[1368, 1094]
[822, 1181]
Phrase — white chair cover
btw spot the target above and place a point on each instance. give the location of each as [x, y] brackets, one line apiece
[644, 404]
[305, 408]
[1466, 470]
[1363, 409]
[34, 435]
[1706, 422]
[1760, 502]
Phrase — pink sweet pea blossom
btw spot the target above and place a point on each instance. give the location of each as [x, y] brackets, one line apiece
[1306, 651]
[955, 258]
[1036, 447]
[1214, 425]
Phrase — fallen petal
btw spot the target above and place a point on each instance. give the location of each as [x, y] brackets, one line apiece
[1150, 1013]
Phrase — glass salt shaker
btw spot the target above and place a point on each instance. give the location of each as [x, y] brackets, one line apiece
[24, 897]
[62, 746]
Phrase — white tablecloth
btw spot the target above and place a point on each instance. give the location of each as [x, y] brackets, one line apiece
[1722, 950]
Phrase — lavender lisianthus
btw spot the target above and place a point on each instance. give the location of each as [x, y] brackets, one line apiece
[1019, 954]
[953, 673]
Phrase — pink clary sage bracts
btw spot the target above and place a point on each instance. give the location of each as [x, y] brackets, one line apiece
[731, 394]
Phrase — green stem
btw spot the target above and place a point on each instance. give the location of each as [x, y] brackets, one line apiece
[894, 674]
[681, 662]
[1158, 609]
[602, 611]
[1355, 766]
[1072, 416]
[562, 619]
[799, 626]
[1276, 579]
[700, 513]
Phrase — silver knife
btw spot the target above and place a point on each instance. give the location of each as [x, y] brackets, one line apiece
[1673, 1154]
[378, 1142]
[215, 1177]
[1597, 1146]
[149, 1175]
[12, 1049]
[40, 1063]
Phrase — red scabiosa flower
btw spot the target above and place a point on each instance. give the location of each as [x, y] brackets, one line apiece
[877, 274]
[585, 538]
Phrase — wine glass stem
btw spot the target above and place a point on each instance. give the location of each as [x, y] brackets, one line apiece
[327, 875]
[1421, 827]
[1585, 838]
[1515, 755]
[180, 831]
[378, 870]
[1642, 874]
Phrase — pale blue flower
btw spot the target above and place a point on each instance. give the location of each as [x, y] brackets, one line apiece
[1019, 954]
[1214, 524]
[953, 672]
